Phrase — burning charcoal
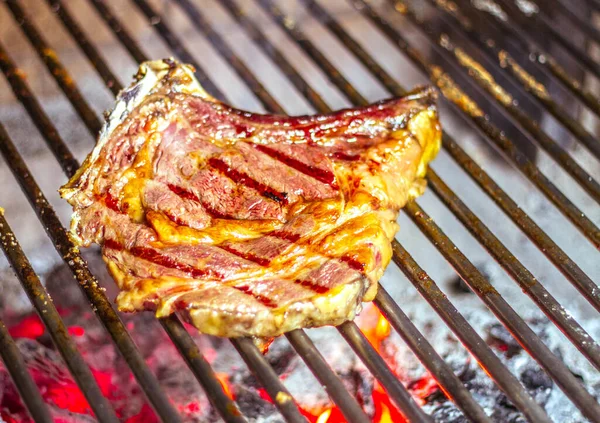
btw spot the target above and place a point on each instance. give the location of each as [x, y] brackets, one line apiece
[281, 356]
[65, 401]
[500, 337]
[459, 286]
[362, 385]
[174, 375]
[535, 379]
[448, 413]
[252, 405]
[505, 411]
[537, 382]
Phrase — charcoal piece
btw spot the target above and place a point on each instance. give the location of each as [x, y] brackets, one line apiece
[448, 413]
[281, 356]
[535, 379]
[361, 386]
[251, 404]
[459, 286]
[500, 337]
[505, 411]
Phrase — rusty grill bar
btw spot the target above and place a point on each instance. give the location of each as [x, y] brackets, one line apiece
[462, 19]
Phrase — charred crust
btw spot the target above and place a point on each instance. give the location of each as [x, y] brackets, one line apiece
[170, 62]
[130, 94]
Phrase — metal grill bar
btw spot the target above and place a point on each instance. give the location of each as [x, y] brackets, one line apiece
[182, 340]
[528, 283]
[579, 279]
[398, 319]
[177, 47]
[581, 24]
[302, 86]
[202, 370]
[541, 25]
[56, 69]
[517, 327]
[507, 64]
[110, 80]
[544, 61]
[52, 320]
[575, 275]
[429, 357]
[475, 115]
[215, 39]
[63, 244]
[485, 80]
[268, 379]
[394, 387]
[13, 360]
[348, 405]
[467, 335]
[41, 121]
[118, 30]
[540, 295]
[382, 372]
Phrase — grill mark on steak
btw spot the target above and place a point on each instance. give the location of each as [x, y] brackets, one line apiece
[155, 257]
[110, 201]
[353, 263]
[246, 255]
[288, 236]
[266, 301]
[312, 286]
[188, 195]
[340, 155]
[321, 175]
[175, 219]
[183, 193]
[242, 178]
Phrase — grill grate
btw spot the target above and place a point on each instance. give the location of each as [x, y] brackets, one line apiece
[461, 18]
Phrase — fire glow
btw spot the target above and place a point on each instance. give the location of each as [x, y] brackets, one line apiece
[61, 393]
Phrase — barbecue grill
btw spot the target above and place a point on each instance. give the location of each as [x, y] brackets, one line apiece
[488, 58]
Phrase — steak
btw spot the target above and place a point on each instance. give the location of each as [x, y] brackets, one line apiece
[247, 224]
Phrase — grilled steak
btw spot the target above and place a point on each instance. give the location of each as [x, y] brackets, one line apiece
[247, 224]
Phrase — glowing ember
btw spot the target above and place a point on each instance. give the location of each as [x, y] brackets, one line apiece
[30, 327]
[374, 326]
[63, 395]
[224, 379]
[324, 417]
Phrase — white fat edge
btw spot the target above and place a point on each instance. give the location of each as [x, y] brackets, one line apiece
[148, 78]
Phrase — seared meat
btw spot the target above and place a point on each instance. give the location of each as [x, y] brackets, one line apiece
[247, 224]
